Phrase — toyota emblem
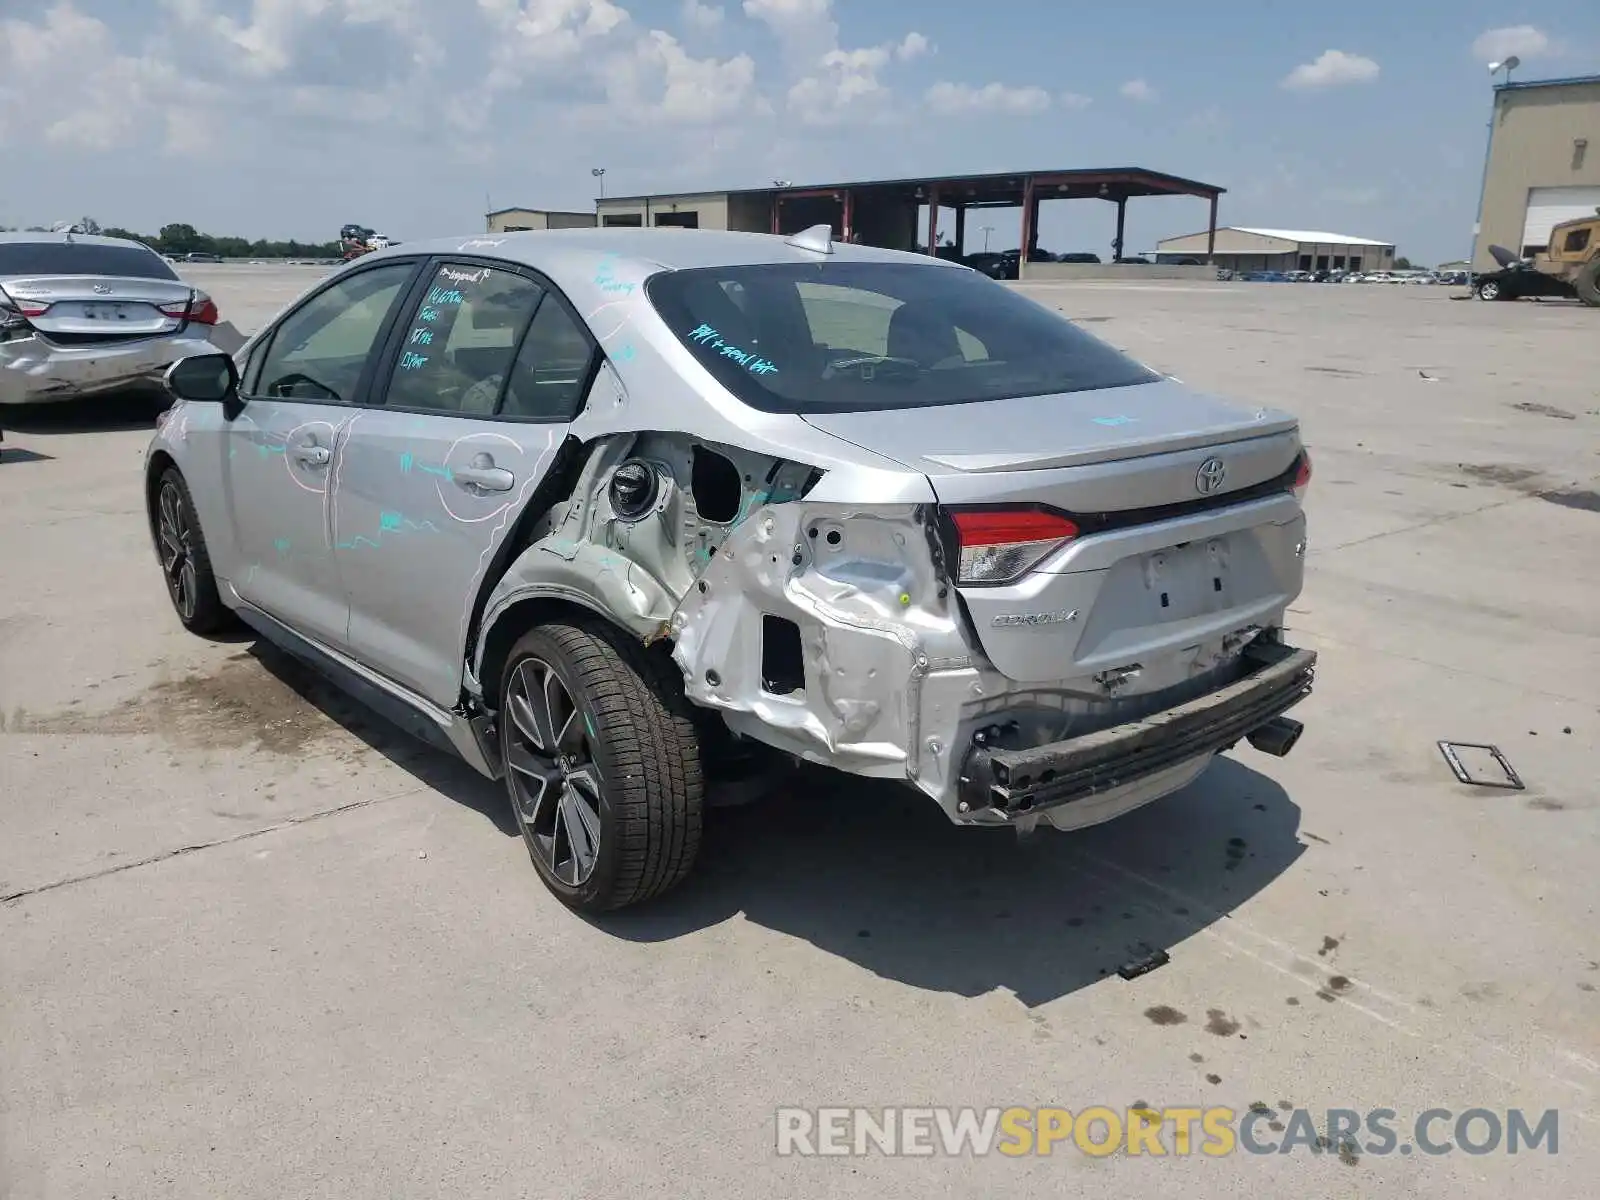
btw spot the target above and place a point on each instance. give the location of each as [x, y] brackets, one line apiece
[1209, 477]
[101, 289]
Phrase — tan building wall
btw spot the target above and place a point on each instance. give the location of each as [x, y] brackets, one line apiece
[1536, 131]
[709, 208]
[512, 220]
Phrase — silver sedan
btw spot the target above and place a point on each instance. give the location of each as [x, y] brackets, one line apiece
[82, 315]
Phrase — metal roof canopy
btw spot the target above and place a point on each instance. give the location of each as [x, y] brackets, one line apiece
[994, 190]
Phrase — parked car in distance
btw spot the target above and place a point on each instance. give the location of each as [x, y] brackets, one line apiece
[992, 263]
[202, 256]
[623, 515]
[1569, 270]
[83, 315]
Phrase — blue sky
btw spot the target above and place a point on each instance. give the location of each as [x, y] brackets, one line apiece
[290, 117]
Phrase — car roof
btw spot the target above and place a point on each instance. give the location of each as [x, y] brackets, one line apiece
[61, 239]
[560, 251]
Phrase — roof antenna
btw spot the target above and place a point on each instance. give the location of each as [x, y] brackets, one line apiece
[818, 239]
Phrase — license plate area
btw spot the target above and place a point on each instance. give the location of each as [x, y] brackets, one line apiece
[1187, 581]
[107, 310]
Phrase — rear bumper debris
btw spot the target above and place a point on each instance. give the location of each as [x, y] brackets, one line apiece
[1010, 783]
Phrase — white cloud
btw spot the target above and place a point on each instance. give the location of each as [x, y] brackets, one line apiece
[955, 98]
[787, 13]
[832, 84]
[1525, 41]
[1333, 68]
[701, 16]
[1073, 100]
[99, 96]
[1138, 89]
[913, 45]
[536, 34]
[659, 80]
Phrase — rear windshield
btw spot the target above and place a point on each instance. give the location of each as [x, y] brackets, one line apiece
[79, 258]
[798, 338]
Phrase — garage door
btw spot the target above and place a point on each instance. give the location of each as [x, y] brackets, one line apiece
[1548, 207]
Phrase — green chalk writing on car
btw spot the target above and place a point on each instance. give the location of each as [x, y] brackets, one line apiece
[705, 335]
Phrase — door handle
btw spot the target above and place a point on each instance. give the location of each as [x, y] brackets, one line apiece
[489, 479]
[313, 455]
[484, 475]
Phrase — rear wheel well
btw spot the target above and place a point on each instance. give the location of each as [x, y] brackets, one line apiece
[524, 615]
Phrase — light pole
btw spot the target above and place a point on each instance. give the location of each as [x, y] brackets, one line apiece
[987, 230]
[600, 174]
[1508, 65]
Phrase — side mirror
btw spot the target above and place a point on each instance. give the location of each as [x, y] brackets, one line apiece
[204, 378]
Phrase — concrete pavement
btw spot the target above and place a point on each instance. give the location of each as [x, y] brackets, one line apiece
[259, 945]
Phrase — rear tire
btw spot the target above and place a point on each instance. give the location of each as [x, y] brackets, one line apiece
[185, 563]
[602, 765]
[1587, 284]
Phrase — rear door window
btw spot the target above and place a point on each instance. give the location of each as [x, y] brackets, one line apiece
[552, 368]
[82, 258]
[847, 336]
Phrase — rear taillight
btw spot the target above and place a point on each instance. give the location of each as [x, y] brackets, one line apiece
[1302, 475]
[29, 308]
[200, 309]
[998, 545]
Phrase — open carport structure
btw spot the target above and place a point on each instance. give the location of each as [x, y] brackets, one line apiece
[887, 212]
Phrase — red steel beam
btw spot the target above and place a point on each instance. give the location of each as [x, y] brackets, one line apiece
[1027, 227]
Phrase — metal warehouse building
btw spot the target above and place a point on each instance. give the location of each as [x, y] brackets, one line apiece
[1543, 165]
[1242, 249]
[928, 214]
[515, 220]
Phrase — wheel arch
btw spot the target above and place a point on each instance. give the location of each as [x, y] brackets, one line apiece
[527, 612]
[158, 464]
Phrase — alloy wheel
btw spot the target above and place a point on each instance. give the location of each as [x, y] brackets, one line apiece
[555, 784]
[1489, 291]
[177, 551]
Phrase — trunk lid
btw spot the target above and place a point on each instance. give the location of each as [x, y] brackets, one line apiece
[965, 445]
[1170, 558]
[85, 309]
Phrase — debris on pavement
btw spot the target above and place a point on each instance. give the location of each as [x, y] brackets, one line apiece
[1143, 966]
[1481, 765]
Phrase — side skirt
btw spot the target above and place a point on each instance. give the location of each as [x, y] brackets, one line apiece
[454, 733]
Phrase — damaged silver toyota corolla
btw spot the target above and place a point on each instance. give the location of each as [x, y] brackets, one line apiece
[625, 516]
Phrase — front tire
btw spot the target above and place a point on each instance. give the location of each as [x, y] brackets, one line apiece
[602, 765]
[1489, 289]
[1587, 285]
[185, 562]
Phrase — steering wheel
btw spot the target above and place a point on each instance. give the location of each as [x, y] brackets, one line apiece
[284, 384]
[898, 367]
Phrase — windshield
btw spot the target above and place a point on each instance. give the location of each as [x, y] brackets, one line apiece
[836, 337]
[81, 258]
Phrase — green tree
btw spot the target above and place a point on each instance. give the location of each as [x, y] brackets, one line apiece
[180, 238]
[1403, 264]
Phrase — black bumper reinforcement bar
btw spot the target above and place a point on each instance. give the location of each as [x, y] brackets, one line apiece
[1020, 781]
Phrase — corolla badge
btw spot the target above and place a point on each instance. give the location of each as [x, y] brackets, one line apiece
[102, 290]
[1210, 475]
[1039, 618]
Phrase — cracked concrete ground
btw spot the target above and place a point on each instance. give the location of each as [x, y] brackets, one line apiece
[257, 944]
